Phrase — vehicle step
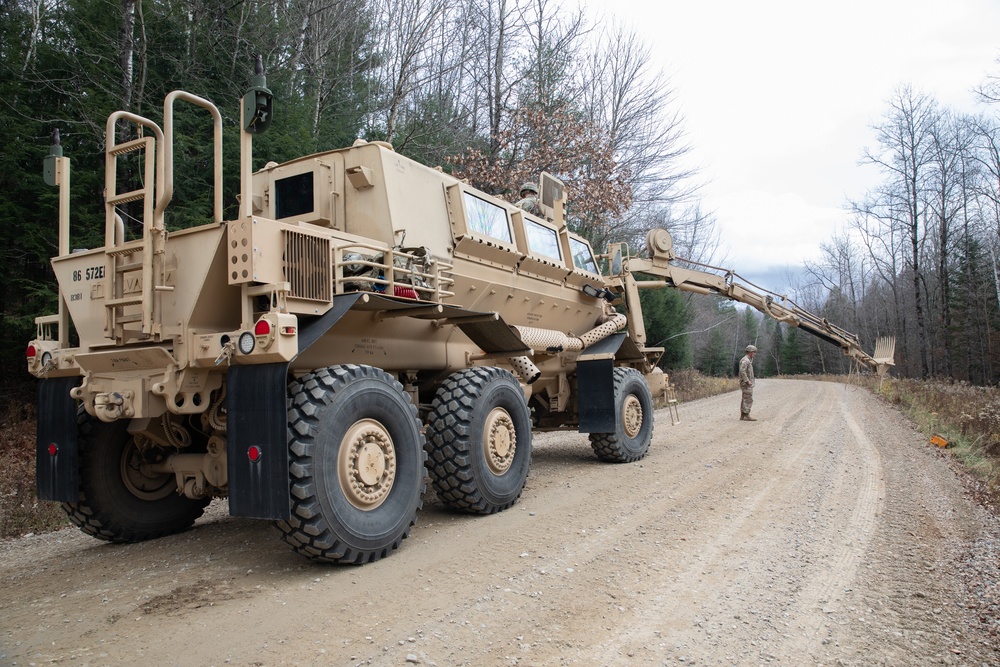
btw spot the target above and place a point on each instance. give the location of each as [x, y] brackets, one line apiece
[130, 300]
[125, 197]
[129, 146]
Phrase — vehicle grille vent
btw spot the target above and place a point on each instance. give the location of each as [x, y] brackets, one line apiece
[307, 265]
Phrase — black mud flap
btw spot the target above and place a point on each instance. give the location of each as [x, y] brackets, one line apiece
[57, 452]
[257, 433]
[595, 381]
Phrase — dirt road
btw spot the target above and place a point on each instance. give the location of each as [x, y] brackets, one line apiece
[828, 532]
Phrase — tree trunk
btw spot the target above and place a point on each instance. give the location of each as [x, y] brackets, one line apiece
[126, 49]
[37, 9]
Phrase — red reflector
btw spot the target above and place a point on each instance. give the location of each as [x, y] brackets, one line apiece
[31, 352]
[255, 453]
[53, 449]
[288, 331]
[405, 292]
[262, 328]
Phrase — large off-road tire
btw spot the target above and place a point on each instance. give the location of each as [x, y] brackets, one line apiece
[479, 440]
[357, 464]
[634, 428]
[117, 502]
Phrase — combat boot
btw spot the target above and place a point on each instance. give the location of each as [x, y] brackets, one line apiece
[748, 418]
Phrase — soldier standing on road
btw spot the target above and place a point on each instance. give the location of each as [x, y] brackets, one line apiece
[746, 384]
[529, 199]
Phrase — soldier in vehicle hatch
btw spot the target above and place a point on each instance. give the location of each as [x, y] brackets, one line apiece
[746, 384]
[529, 199]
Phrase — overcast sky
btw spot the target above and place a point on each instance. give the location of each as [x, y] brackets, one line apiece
[779, 97]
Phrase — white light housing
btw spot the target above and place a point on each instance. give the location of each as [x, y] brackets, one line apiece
[247, 342]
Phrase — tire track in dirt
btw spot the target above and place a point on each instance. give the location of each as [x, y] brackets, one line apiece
[592, 558]
[604, 557]
[557, 500]
[591, 553]
[717, 560]
[907, 606]
[848, 543]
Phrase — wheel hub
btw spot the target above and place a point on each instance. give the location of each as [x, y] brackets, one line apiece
[632, 416]
[500, 440]
[366, 464]
[139, 483]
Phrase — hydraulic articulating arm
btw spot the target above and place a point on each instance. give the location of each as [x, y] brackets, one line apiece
[659, 245]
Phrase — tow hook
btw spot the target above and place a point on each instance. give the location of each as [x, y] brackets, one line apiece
[113, 405]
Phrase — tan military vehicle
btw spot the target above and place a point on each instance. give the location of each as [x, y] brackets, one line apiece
[364, 322]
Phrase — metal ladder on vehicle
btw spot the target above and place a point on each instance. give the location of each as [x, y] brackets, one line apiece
[133, 269]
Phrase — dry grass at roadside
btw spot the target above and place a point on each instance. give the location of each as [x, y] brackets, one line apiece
[691, 385]
[968, 417]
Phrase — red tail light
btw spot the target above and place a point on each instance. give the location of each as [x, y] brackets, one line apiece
[255, 453]
[262, 328]
[31, 352]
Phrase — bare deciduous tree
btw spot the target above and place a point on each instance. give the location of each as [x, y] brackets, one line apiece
[899, 206]
[554, 42]
[624, 93]
[497, 35]
[949, 150]
[406, 43]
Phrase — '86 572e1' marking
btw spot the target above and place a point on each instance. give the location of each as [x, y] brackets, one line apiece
[90, 273]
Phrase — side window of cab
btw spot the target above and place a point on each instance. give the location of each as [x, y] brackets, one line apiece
[481, 228]
[487, 218]
[583, 256]
[543, 240]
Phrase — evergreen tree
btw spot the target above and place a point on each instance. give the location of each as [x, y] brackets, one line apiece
[715, 357]
[794, 353]
[667, 315]
[973, 309]
[751, 326]
[770, 350]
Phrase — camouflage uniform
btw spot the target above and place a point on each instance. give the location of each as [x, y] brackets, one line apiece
[746, 384]
[529, 201]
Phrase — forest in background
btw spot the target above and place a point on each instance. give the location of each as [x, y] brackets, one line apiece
[496, 91]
